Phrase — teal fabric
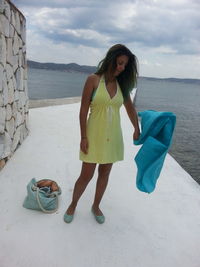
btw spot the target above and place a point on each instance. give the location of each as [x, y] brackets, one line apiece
[156, 136]
[49, 201]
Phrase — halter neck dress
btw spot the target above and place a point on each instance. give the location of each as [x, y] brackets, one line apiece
[104, 128]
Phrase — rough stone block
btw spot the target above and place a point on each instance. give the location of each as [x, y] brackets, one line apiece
[20, 57]
[24, 63]
[16, 139]
[25, 73]
[11, 31]
[19, 119]
[2, 50]
[14, 109]
[1, 26]
[8, 112]
[19, 79]
[10, 91]
[16, 95]
[10, 127]
[1, 100]
[2, 119]
[9, 58]
[26, 87]
[13, 18]
[5, 25]
[19, 105]
[15, 63]
[23, 31]
[15, 44]
[5, 145]
[9, 72]
[26, 120]
[22, 99]
[23, 134]
[2, 139]
[5, 90]
[2, 6]
[24, 48]
[26, 108]
[7, 11]
[14, 82]
[20, 42]
[17, 23]
[1, 77]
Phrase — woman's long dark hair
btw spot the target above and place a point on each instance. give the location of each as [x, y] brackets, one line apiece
[126, 79]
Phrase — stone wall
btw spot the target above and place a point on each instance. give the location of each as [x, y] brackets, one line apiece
[13, 80]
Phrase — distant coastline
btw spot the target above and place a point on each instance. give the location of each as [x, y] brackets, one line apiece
[71, 67]
[74, 67]
[196, 81]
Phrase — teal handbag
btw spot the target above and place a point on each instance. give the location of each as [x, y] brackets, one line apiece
[41, 198]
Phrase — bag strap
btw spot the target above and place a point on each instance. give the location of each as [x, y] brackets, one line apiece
[40, 205]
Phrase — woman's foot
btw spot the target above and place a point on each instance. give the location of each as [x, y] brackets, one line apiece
[69, 214]
[71, 209]
[97, 211]
[100, 218]
[68, 218]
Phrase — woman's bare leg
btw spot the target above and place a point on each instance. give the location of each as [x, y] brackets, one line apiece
[102, 181]
[86, 175]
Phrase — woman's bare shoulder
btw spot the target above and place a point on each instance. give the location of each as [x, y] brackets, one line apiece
[93, 79]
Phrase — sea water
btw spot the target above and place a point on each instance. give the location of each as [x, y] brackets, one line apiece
[47, 84]
[179, 97]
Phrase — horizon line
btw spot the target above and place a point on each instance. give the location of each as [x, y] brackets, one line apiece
[198, 79]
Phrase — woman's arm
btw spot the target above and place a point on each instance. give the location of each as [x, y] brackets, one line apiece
[133, 117]
[85, 103]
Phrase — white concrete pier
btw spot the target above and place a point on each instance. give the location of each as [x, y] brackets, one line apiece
[141, 230]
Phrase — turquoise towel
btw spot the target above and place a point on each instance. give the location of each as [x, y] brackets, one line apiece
[156, 135]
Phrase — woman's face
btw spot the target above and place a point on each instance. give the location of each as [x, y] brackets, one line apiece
[121, 63]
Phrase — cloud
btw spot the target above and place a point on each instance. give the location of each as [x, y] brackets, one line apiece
[61, 3]
[167, 28]
[90, 23]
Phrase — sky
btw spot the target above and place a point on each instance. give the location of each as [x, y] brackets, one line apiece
[164, 35]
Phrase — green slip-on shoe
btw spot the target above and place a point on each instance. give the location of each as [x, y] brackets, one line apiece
[100, 219]
[68, 218]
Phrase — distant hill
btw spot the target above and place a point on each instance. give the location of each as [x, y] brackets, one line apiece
[71, 67]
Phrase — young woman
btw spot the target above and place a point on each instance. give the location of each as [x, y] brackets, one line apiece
[101, 136]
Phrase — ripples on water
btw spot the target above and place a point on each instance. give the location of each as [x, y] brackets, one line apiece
[183, 99]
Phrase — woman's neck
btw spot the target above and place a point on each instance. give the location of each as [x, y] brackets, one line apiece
[109, 78]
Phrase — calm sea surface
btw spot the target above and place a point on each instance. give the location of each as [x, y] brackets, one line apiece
[179, 97]
[43, 84]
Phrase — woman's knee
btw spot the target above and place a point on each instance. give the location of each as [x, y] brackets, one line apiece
[87, 171]
[104, 170]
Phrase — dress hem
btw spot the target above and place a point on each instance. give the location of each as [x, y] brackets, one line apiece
[97, 162]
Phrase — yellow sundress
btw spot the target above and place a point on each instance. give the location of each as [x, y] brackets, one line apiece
[104, 128]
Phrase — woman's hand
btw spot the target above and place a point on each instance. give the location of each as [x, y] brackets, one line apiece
[84, 145]
[136, 134]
